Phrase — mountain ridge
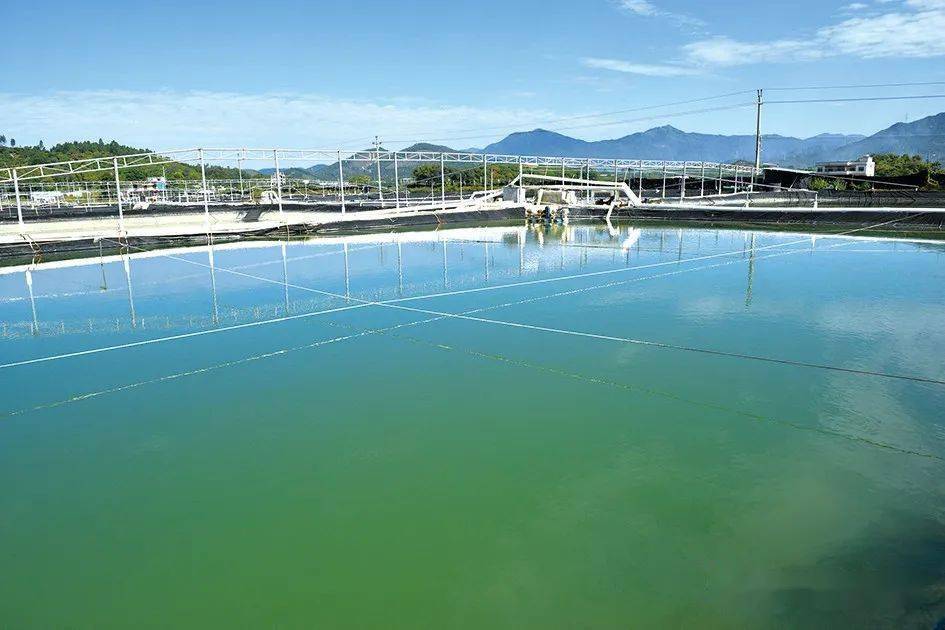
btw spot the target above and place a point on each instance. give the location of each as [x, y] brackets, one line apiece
[925, 137]
[669, 143]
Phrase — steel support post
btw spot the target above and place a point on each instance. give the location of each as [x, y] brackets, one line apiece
[239, 168]
[442, 182]
[121, 211]
[275, 159]
[377, 161]
[341, 182]
[396, 182]
[19, 206]
[206, 193]
[587, 182]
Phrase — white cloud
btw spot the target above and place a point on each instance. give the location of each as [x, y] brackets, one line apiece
[648, 70]
[648, 9]
[890, 35]
[722, 51]
[171, 119]
[640, 7]
[914, 29]
[926, 5]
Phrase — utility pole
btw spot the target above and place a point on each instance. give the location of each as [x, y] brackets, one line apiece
[758, 130]
[442, 184]
[396, 182]
[121, 212]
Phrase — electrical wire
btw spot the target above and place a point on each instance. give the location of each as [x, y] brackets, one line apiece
[659, 106]
[847, 87]
[597, 380]
[576, 117]
[603, 124]
[857, 99]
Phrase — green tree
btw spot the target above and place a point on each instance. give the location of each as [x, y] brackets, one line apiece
[900, 165]
[426, 173]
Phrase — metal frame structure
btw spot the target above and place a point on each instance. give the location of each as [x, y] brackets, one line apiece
[203, 156]
[241, 155]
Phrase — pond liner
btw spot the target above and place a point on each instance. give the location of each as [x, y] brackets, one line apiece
[898, 220]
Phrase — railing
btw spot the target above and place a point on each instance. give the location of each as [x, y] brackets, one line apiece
[52, 174]
[225, 155]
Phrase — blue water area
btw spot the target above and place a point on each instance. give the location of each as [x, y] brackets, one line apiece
[504, 426]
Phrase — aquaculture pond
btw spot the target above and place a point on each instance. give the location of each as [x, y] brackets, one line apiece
[496, 427]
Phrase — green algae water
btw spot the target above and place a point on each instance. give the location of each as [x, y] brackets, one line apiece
[242, 436]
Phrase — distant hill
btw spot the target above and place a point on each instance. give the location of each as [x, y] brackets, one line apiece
[925, 137]
[668, 143]
[351, 169]
[80, 150]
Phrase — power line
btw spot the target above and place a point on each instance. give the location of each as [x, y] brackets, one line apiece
[857, 99]
[847, 87]
[584, 116]
[696, 100]
[604, 124]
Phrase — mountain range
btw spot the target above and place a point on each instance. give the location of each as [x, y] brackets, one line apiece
[351, 169]
[670, 143]
[925, 137]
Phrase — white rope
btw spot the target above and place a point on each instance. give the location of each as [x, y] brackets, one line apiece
[656, 344]
[95, 394]
[203, 370]
[362, 303]
[385, 330]
[264, 263]
[395, 304]
[197, 333]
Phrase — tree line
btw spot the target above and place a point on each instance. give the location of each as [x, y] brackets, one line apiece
[12, 156]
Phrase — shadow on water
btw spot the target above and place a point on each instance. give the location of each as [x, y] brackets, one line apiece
[893, 577]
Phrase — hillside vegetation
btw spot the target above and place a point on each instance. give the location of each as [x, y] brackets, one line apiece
[13, 156]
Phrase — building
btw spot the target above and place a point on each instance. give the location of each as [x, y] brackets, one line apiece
[151, 190]
[46, 196]
[863, 167]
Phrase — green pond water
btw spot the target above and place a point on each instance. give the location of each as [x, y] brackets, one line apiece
[373, 466]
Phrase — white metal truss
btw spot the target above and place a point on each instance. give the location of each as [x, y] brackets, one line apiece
[242, 155]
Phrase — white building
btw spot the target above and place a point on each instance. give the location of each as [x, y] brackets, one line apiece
[46, 196]
[863, 167]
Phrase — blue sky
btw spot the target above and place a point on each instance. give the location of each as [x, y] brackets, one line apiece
[326, 74]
